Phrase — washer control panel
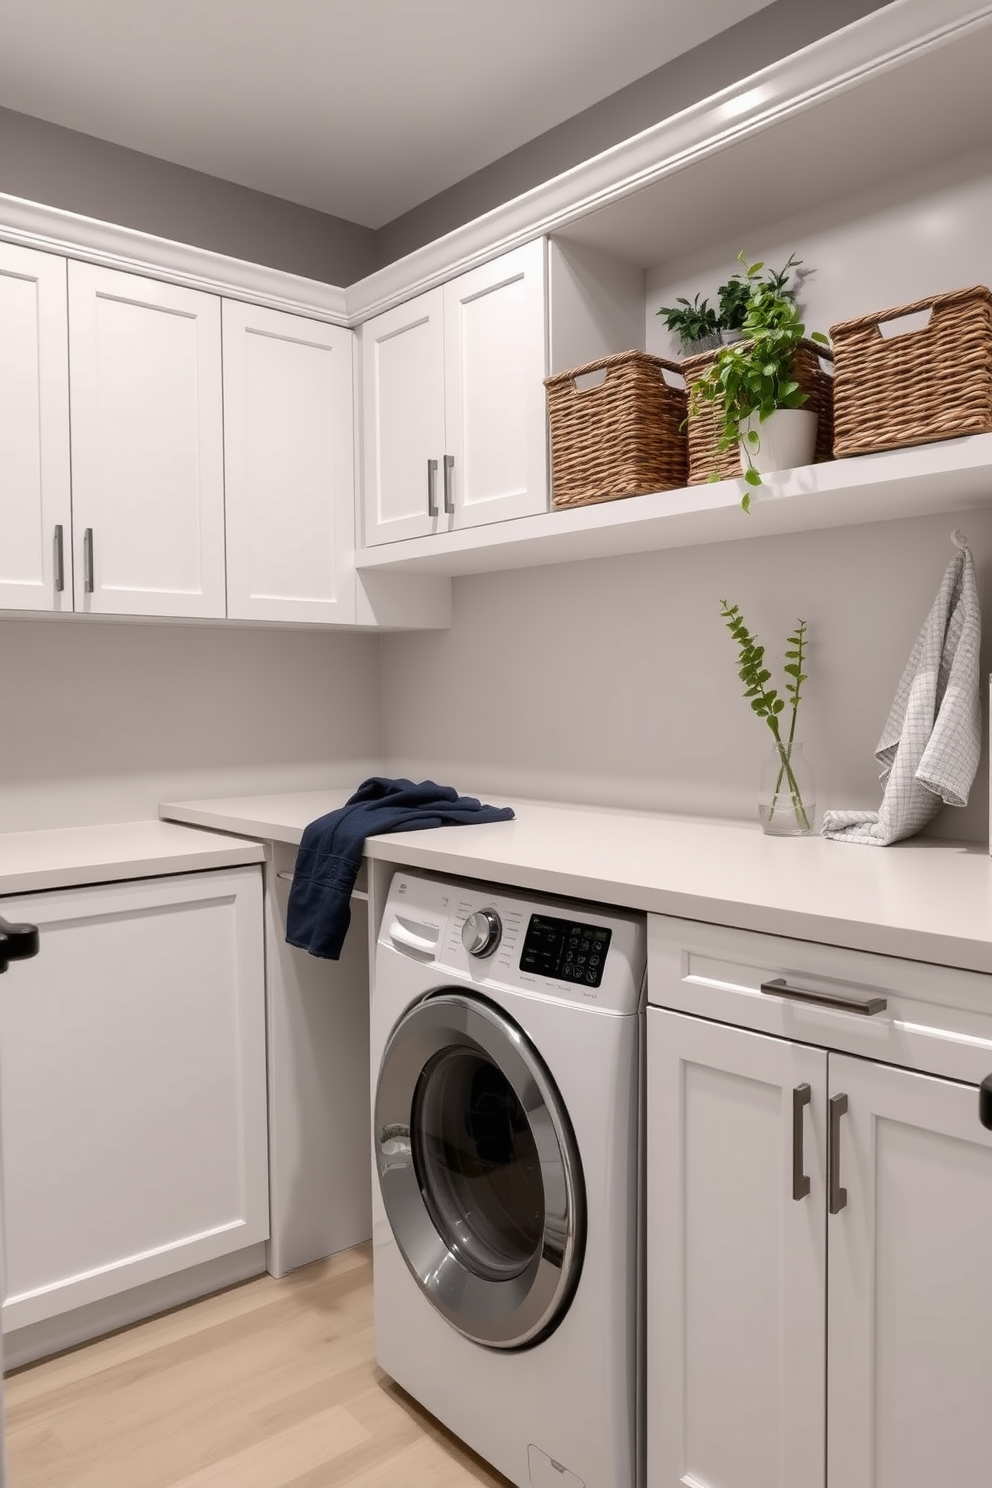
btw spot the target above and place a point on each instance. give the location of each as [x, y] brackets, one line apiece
[570, 949]
[587, 954]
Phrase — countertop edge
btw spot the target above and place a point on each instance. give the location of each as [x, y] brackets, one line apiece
[879, 939]
[100, 855]
[221, 821]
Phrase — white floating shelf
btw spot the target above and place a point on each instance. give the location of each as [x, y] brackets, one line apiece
[954, 475]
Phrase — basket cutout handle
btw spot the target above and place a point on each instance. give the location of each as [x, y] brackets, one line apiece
[867, 329]
[586, 381]
[594, 375]
[904, 325]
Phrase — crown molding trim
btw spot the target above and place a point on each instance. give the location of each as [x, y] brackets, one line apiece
[845, 60]
[52, 230]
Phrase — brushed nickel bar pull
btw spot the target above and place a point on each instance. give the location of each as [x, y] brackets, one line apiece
[801, 1098]
[449, 470]
[432, 488]
[59, 558]
[780, 988]
[838, 1196]
[88, 560]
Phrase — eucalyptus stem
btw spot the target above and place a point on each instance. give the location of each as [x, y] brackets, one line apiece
[793, 670]
[766, 702]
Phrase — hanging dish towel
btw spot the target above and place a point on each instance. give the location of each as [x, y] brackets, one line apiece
[319, 909]
[930, 745]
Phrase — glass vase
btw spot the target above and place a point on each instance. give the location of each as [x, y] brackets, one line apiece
[786, 795]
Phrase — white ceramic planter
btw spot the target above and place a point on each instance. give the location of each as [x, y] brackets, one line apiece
[787, 438]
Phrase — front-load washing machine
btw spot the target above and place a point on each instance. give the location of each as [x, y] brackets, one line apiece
[506, 1044]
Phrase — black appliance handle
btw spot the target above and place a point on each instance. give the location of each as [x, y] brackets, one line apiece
[985, 1102]
[17, 943]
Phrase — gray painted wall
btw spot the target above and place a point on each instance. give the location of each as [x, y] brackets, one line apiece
[614, 683]
[117, 717]
[46, 163]
[770, 34]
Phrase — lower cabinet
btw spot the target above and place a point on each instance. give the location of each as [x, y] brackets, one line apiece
[132, 1083]
[736, 1265]
[909, 1344]
[818, 1279]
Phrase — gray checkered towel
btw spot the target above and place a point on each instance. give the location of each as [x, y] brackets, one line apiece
[930, 745]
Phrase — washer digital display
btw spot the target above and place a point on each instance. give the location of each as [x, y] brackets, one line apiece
[565, 948]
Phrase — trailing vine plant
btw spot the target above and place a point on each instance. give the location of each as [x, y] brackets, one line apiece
[755, 375]
[766, 702]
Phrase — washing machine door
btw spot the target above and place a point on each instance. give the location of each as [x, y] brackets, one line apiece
[479, 1170]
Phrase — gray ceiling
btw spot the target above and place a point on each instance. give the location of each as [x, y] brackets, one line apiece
[359, 108]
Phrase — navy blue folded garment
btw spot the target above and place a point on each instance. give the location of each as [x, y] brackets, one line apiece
[330, 855]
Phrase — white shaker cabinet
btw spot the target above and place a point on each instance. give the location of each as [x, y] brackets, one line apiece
[147, 446]
[35, 511]
[403, 419]
[910, 1281]
[132, 1081]
[289, 467]
[879, 1272]
[454, 411]
[736, 1257]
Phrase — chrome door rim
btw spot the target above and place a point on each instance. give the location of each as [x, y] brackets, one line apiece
[521, 1309]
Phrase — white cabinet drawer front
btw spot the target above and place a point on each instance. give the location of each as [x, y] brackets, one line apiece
[935, 1018]
[403, 420]
[34, 431]
[147, 446]
[133, 1087]
[910, 1291]
[495, 407]
[289, 467]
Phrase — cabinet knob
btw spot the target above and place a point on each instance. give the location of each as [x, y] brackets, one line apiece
[985, 1102]
[17, 943]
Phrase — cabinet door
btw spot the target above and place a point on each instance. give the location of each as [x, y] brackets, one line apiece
[735, 1257]
[35, 546]
[147, 446]
[132, 1087]
[495, 360]
[910, 1295]
[403, 420]
[288, 467]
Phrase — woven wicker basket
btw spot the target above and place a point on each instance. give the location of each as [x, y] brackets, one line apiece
[934, 383]
[706, 424]
[624, 437]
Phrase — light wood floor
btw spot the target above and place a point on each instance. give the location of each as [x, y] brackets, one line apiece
[272, 1384]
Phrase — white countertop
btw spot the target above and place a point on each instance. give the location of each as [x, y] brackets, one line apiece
[69, 856]
[927, 899]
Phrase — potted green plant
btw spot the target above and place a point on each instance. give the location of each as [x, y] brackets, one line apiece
[695, 323]
[734, 297]
[752, 382]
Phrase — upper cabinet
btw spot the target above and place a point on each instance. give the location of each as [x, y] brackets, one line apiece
[35, 573]
[202, 486]
[403, 419]
[289, 467]
[147, 448]
[453, 402]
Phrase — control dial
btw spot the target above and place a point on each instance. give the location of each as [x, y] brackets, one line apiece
[481, 932]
